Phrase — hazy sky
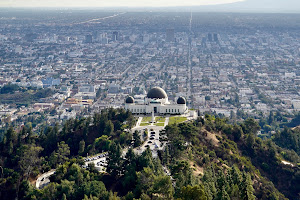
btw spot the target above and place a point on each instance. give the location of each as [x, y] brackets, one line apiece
[109, 3]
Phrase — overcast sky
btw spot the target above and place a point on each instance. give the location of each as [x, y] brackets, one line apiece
[109, 3]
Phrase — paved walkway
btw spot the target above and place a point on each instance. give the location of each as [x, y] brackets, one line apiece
[166, 121]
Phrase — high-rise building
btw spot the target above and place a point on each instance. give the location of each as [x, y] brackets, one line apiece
[88, 39]
[170, 35]
[103, 38]
[95, 36]
[146, 39]
[216, 39]
[209, 37]
[139, 39]
[115, 36]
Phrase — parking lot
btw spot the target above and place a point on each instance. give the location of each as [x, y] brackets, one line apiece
[152, 141]
[100, 161]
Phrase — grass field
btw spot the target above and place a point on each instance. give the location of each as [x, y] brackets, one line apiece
[176, 120]
[160, 119]
[159, 124]
[144, 124]
[146, 119]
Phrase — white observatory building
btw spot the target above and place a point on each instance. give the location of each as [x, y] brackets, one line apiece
[156, 101]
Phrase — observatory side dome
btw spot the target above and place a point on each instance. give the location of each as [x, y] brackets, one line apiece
[181, 100]
[129, 99]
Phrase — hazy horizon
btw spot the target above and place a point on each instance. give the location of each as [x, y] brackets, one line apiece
[240, 6]
[114, 3]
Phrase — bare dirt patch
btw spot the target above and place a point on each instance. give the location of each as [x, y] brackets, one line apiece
[212, 137]
[197, 170]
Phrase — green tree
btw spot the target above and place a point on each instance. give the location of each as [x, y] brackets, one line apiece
[9, 88]
[235, 175]
[29, 132]
[166, 156]
[162, 186]
[109, 128]
[49, 192]
[235, 193]
[61, 154]
[113, 196]
[237, 132]
[177, 140]
[81, 147]
[67, 188]
[247, 188]
[222, 182]
[115, 162]
[90, 198]
[10, 138]
[145, 197]
[75, 174]
[130, 168]
[193, 192]
[250, 126]
[64, 197]
[29, 158]
[102, 143]
[94, 188]
[250, 141]
[145, 180]
[146, 160]
[136, 139]
[222, 194]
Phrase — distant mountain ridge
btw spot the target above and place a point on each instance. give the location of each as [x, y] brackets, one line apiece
[276, 6]
[247, 6]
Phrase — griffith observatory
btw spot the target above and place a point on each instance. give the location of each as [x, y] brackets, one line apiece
[156, 101]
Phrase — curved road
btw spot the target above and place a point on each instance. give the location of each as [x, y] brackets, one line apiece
[43, 180]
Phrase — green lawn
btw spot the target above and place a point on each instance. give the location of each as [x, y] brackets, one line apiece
[159, 124]
[173, 120]
[146, 119]
[144, 124]
[160, 119]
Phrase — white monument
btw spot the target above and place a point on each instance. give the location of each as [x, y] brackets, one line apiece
[153, 118]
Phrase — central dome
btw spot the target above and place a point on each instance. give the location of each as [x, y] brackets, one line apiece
[157, 93]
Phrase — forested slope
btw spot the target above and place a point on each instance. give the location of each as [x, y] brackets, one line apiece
[204, 159]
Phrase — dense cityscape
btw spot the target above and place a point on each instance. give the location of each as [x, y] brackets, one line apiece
[149, 105]
[95, 64]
